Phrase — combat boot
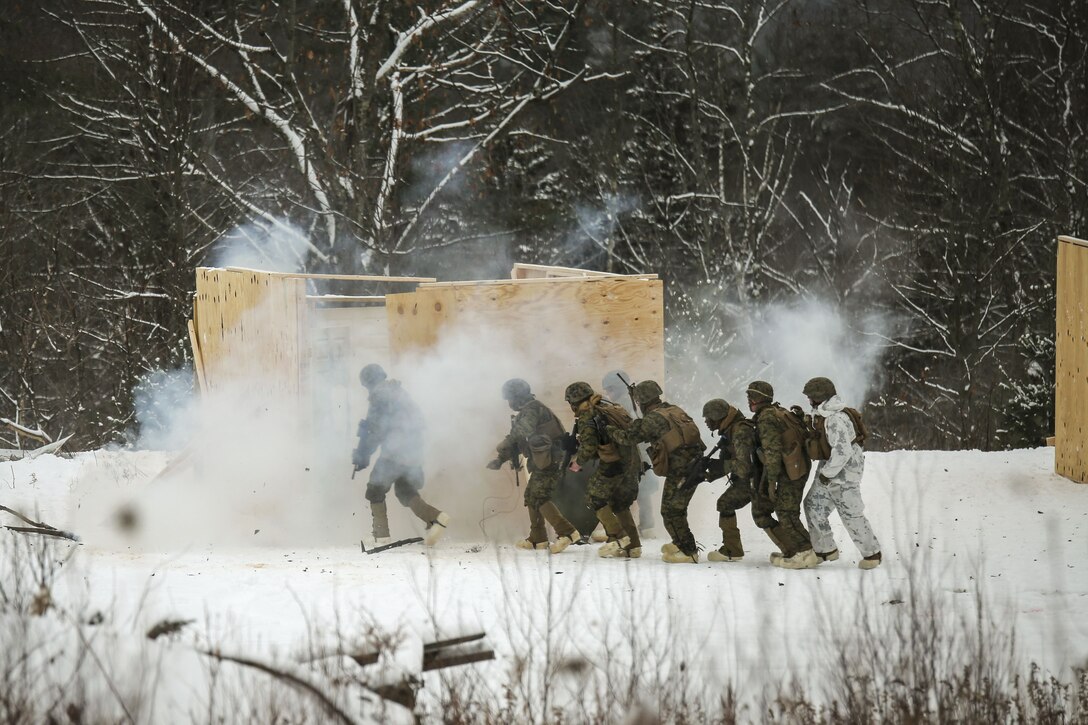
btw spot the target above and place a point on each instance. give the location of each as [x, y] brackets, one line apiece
[598, 535]
[561, 544]
[832, 555]
[806, 559]
[870, 562]
[526, 544]
[608, 549]
[629, 552]
[721, 555]
[436, 529]
[669, 548]
[679, 557]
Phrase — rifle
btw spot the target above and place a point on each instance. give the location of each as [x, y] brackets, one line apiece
[515, 463]
[630, 393]
[697, 473]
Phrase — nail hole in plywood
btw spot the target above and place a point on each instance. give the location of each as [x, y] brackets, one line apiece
[437, 306]
[400, 309]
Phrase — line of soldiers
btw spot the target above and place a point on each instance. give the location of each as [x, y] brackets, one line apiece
[766, 458]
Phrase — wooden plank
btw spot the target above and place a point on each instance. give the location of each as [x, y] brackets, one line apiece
[345, 277]
[1073, 240]
[377, 299]
[198, 359]
[532, 281]
[522, 270]
[1071, 361]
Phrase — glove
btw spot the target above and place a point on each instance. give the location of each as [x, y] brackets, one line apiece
[715, 469]
[494, 464]
[824, 479]
[360, 460]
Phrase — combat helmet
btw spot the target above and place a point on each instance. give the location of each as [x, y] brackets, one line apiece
[716, 410]
[515, 390]
[371, 375]
[577, 392]
[647, 391]
[760, 391]
[819, 389]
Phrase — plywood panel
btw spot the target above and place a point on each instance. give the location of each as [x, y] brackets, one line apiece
[588, 326]
[250, 327]
[1071, 374]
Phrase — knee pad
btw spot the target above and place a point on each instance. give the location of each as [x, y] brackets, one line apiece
[404, 491]
[376, 494]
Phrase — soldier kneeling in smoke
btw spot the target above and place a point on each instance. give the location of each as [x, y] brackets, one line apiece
[838, 446]
[395, 423]
[536, 432]
[613, 487]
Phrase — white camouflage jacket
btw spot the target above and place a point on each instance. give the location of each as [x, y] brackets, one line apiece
[847, 461]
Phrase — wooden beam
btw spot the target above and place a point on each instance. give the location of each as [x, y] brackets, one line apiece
[346, 277]
[198, 359]
[1073, 240]
[537, 280]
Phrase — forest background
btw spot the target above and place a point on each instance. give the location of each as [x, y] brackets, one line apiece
[906, 164]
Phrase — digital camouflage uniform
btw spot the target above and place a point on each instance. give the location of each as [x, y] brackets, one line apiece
[613, 487]
[393, 423]
[531, 419]
[616, 391]
[838, 484]
[789, 534]
[737, 442]
[674, 465]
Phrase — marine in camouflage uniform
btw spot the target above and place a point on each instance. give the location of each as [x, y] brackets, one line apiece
[838, 477]
[737, 443]
[395, 424]
[615, 389]
[788, 534]
[675, 446]
[537, 434]
[613, 486]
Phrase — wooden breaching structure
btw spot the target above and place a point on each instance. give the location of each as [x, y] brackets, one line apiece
[1071, 355]
[284, 337]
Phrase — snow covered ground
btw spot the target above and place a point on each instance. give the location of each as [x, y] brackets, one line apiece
[1000, 528]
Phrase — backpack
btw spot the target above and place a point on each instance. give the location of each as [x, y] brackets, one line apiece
[817, 445]
[795, 436]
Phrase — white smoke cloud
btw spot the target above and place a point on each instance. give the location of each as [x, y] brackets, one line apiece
[784, 343]
[272, 246]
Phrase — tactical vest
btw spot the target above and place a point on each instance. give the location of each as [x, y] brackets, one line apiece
[729, 452]
[615, 415]
[549, 426]
[819, 447]
[682, 432]
[795, 460]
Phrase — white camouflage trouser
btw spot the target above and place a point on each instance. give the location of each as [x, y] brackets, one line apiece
[845, 497]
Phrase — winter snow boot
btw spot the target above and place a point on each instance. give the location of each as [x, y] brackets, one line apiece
[526, 544]
[611, 523]
[561, 544]
[558, 521]
[870, 562]
[423, 510]
[679, 557]
[731, 548]
[806, 559]
[436, 529]
[379, 517]
[832, 555]
[627, 521]
[669, 548]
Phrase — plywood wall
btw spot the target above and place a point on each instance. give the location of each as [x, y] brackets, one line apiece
[1071, 375]
[250, 328]
[587, 326]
